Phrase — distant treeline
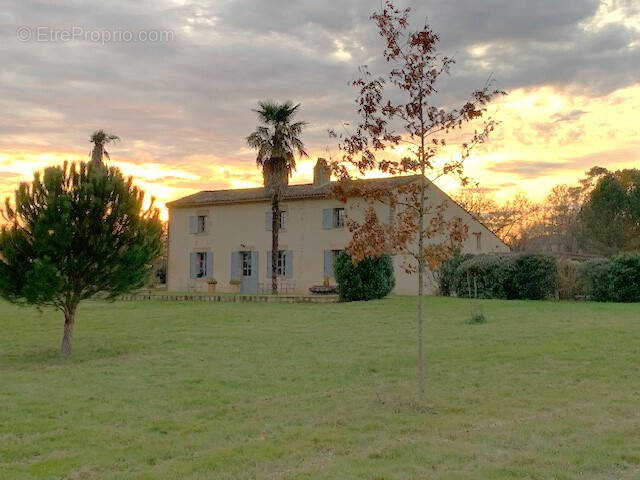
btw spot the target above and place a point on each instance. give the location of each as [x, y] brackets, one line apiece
[600, 215]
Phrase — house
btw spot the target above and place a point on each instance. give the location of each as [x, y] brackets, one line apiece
[225, 235]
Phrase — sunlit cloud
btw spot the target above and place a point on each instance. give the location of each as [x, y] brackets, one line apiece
[183, 108]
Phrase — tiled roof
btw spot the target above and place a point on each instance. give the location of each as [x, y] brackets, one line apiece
[293, 192]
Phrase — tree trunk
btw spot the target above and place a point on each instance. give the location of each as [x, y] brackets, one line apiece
[275, 230]
[69, 320]
[421, 285]
[420, 333]
[97, 153]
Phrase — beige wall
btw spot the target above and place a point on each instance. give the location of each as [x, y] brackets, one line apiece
[240, 227]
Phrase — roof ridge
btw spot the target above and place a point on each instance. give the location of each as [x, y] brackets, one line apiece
[238, 195]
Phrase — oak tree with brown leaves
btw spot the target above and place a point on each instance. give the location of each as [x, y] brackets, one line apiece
[398, 109]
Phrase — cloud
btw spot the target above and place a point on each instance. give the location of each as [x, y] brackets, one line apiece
[530, 169]
[541, 168]
[187, 102]
[569, 116]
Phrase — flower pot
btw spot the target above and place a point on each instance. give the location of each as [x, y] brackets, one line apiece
[212, 287]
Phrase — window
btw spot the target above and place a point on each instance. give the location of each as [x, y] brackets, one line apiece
[268, 223]
[246, 264]
[333, 218]
[282, 263]
[478, 236]
[338, 217]
[202, 224]
[198, 224]
[201, 264]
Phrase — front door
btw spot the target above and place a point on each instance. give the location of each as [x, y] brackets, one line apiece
[249, 271]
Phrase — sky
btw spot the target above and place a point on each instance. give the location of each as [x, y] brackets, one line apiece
[177, 80]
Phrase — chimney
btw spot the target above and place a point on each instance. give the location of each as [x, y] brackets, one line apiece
[321, 173]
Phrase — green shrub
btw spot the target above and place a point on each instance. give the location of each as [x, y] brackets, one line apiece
[491, 274]
[625, 277]
[568, 279]
[525, 276]
[595, 279]
[534, 277]
[370, 279]
[446, 274]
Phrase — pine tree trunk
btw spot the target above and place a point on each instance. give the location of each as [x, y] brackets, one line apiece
[275, 230]
[69, 320]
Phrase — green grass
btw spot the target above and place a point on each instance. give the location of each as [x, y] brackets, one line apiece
[159, 390]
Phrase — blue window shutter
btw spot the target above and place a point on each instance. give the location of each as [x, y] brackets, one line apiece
[235, 266]
[268, 222]
[209, 264]
[193, 260]
[206, 223]
[327, 264]
[288, 264]
[327, 218]
[267, 271]
[193, 224]
[255, 272]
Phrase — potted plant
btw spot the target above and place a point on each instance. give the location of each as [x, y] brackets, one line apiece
[212, 284]
[235, 286]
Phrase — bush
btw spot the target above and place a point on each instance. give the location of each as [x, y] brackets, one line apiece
[492, 275]
[370, 279]
[447, 273]
[595, 279]
[534, 277]
[625, 278]
[525, 276]
[568, 279]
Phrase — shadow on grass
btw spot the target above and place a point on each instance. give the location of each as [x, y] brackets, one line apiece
[82, 353]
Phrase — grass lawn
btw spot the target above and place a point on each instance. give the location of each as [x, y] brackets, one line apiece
[232, 391]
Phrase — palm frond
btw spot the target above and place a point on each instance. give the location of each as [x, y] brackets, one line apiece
[277, 140]
[101, 137]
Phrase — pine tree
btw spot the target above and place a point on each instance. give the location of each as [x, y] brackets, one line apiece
[73, 233]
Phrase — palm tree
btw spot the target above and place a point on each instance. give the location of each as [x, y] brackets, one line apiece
[100, 138]
[277, 141]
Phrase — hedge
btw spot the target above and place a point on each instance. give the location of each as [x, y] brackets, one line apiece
[524, 276]
[614, 279]
[446, 274]
[369, 279]
[595, 279]
[489, 276]
[625, 277]
[537, 276]
[534, 277]
[568, 279]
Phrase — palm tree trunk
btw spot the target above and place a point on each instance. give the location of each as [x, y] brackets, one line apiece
[69, 321]
[275, 230]
[97, 153]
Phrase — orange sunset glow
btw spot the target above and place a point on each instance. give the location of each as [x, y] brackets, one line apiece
[183, 127]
